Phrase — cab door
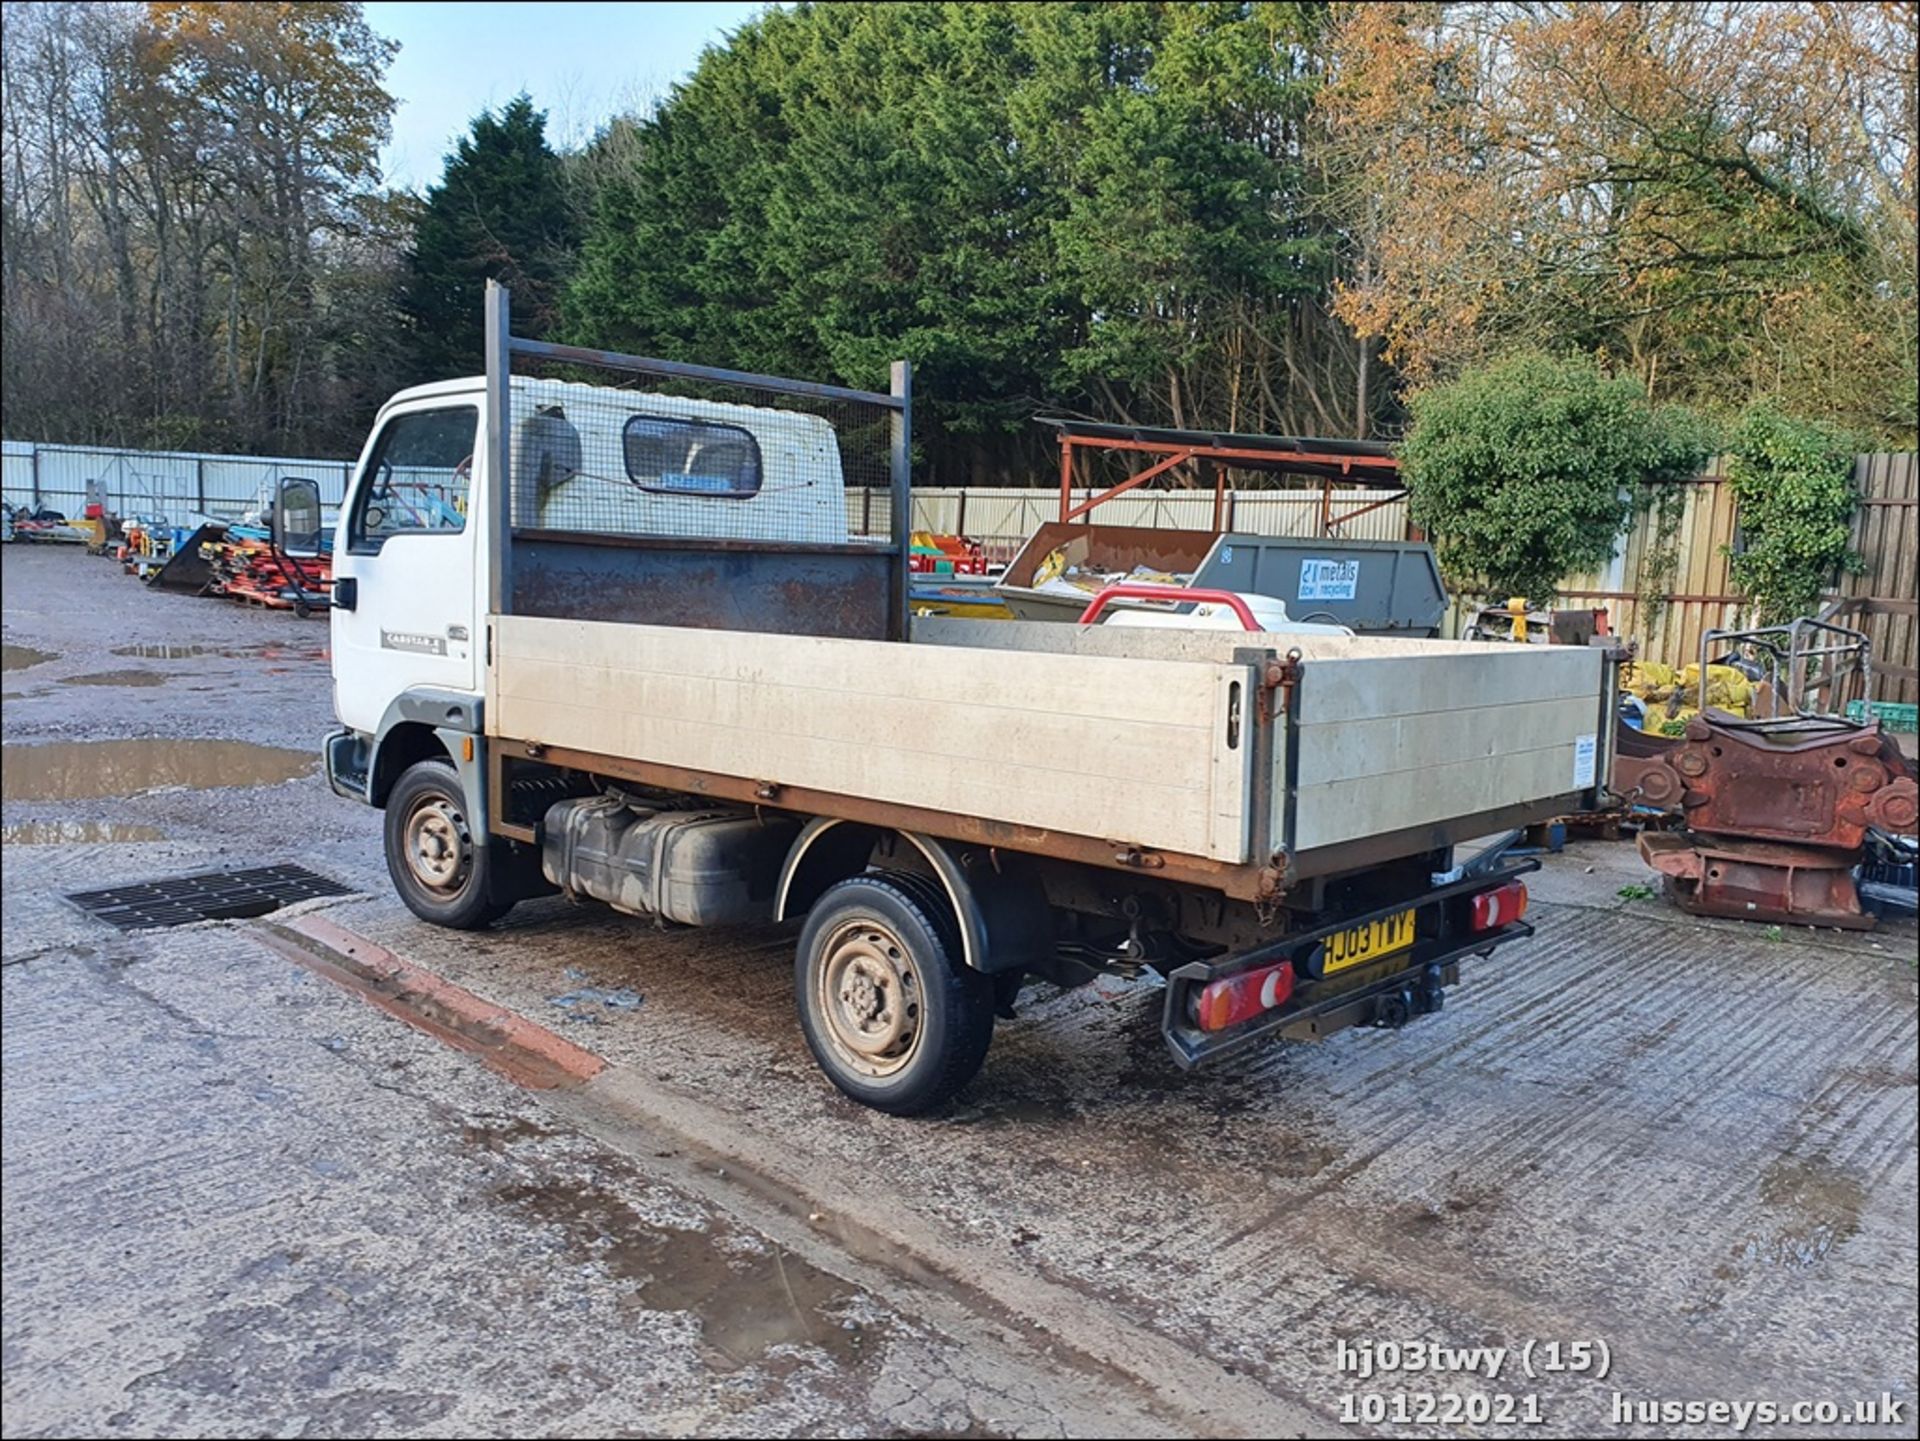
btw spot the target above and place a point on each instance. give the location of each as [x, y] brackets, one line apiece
[408, 548]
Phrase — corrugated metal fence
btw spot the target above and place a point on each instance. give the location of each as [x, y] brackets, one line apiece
[177, 485]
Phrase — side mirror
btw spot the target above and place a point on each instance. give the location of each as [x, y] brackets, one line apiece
[296, 517]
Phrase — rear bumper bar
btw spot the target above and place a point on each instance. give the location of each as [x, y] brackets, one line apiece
[1319, 1008]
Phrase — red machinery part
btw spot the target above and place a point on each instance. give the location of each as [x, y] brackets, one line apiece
[1758, 880]
[1640, 769]
[1775, 821]
[1895, 807]
[1135, 590]
[1825, 788]
[971, 559]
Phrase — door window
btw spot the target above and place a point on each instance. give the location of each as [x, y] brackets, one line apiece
[418, 478]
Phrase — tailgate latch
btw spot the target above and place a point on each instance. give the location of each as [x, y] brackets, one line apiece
[1276, 684]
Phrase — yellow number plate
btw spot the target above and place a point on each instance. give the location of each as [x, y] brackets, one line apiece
[1369, 942]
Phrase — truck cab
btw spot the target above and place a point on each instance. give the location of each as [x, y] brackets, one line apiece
[411, 552]
[408, 591]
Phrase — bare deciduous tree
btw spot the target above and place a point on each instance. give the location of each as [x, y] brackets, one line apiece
[190, 192]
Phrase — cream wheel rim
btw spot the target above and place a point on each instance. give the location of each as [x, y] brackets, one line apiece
[439, 847]
[868, 991]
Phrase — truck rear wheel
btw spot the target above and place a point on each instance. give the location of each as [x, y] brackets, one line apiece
[891, 1012]
[441, 869]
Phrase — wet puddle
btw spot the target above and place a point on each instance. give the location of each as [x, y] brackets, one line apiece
[171, 651]
[1817, 1207]
[75, 833]
[84, 770]
[749, 1294]
[168, 652]
[19, 657]
[117, 677]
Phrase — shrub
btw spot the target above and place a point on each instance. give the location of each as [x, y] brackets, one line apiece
[1533, 467]
[1793, 496]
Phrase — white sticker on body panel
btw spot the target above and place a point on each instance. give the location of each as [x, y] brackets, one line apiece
[1585, 751]
[1324, 579]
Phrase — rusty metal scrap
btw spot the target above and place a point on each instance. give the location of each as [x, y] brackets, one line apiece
[1825, 787]
[1758, 880]
[1775, 820]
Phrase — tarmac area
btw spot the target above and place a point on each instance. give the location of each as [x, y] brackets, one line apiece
[1642, 1159]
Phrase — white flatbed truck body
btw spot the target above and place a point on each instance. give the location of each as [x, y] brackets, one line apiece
[1139, 737]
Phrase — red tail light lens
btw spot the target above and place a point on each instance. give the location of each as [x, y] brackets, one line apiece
[1501, 906]
[1240, 998]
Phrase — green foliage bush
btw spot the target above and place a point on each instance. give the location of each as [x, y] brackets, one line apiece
[1533, 466]
[1793, 498]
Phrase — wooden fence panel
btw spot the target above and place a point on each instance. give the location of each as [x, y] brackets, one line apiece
[1669, 620]
[1884, 533]
[1664, 608]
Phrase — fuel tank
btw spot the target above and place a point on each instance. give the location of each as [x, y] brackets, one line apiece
[700, 868]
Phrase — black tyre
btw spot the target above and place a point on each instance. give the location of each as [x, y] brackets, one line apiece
[889, 1007]
[441, 869]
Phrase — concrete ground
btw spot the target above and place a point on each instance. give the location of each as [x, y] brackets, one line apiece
[240, 1200]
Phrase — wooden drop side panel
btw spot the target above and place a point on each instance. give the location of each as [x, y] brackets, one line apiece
[1137, 752]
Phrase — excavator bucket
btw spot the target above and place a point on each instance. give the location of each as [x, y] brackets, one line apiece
[186, 569]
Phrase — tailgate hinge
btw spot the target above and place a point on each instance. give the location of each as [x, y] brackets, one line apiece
[1273, 887]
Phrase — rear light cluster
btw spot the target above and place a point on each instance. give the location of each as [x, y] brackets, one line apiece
[1501, 906]
[1240, 998]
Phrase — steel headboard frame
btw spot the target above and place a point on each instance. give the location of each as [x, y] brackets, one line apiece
[503, 348]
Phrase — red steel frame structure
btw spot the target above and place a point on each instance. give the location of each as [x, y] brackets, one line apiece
[1377, 470]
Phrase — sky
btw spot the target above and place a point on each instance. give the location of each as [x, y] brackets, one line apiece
[581, 64]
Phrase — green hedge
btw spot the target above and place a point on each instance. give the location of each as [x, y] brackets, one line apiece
[1533, 467]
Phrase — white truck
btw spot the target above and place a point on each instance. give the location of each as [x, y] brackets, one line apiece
[624, 642]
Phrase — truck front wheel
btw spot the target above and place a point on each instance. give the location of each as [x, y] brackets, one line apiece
[891, 1012]
[439, 866]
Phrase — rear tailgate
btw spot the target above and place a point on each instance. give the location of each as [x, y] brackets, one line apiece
[1417, 750]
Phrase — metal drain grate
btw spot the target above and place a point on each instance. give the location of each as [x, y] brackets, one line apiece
[209, 896]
